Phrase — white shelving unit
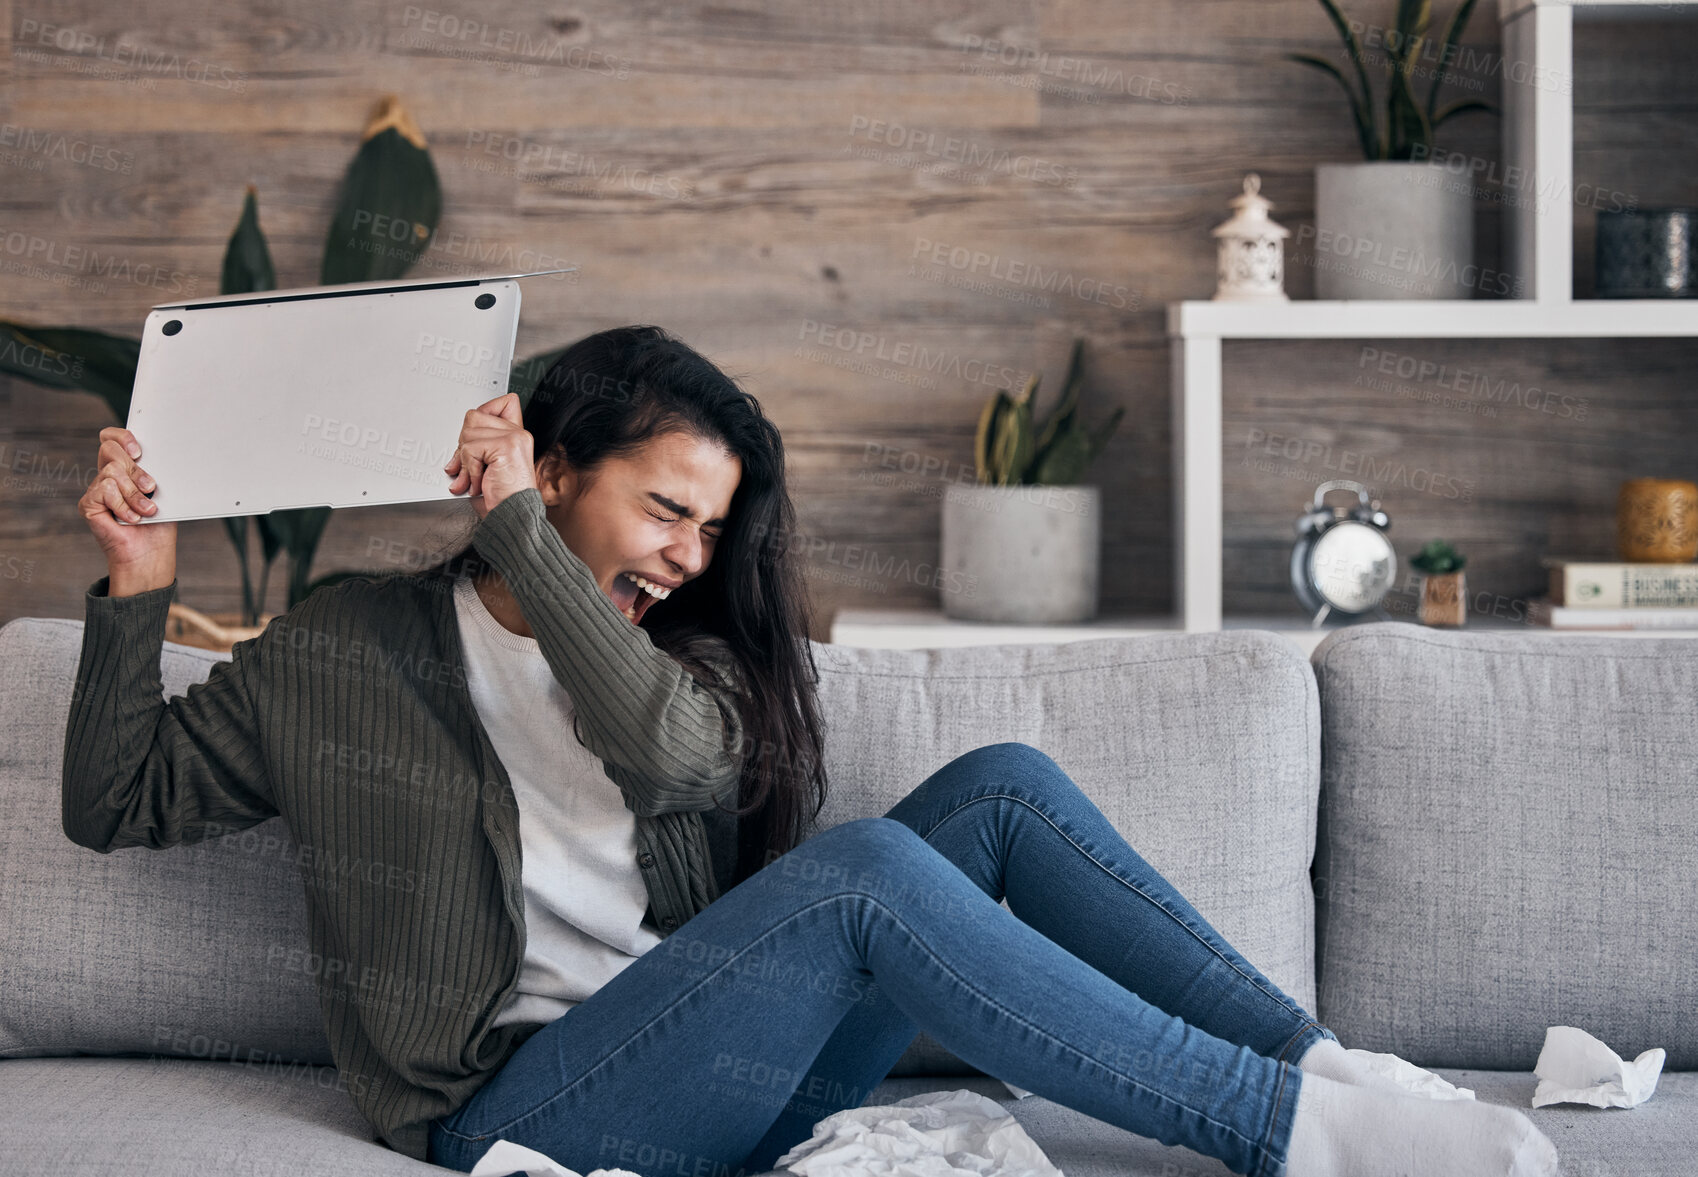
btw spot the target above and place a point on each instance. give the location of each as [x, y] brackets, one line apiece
[929, 629]
[1538, 47]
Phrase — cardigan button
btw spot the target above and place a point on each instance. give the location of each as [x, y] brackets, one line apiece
[669, 922]
[645, 859]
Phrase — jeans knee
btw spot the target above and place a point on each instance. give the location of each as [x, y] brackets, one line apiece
[1029, 764]
[865, 847]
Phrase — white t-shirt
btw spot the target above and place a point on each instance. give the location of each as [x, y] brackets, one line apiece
[584, 892]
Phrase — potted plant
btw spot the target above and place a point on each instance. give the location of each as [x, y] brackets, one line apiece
[1028, 536]
[1398, 224]
[1444, 592]
[391, 175]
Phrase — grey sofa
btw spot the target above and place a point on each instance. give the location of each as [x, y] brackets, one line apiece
[1443, 843]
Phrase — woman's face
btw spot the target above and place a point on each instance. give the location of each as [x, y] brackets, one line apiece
[657, 514]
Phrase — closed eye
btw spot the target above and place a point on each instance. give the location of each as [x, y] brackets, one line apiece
[664, 519]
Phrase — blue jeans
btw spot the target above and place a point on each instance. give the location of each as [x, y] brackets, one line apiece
[792, 995]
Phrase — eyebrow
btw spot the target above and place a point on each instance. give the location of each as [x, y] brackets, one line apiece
[683, 510]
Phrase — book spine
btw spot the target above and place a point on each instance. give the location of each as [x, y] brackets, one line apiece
[1564, 617]
[1624, 586]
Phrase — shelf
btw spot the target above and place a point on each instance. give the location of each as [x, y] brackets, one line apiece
[1603, 9]
[1602, 318]
[930, 629]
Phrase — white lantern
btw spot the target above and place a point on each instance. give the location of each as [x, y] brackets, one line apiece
[1251, 250]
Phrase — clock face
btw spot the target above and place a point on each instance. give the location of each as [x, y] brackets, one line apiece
[1353, 566]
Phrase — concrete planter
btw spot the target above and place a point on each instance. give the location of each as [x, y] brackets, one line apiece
[1394, 230]
[1021, 554]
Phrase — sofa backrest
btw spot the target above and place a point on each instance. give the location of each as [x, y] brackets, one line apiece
[144, 951]
[1507, 842]
[1203, 751]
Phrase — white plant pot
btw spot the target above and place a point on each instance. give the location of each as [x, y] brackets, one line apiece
[1021, 554]
[1393, 230]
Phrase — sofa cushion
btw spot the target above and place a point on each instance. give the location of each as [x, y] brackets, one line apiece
[1506, 843]
[175, 1118]
[196, 950]
[1201, 749]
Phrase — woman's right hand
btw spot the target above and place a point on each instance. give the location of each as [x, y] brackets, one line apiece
[141, 555]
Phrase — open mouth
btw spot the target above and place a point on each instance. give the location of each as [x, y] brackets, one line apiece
[633, 599]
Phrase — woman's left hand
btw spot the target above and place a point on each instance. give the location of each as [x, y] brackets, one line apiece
[493, 455]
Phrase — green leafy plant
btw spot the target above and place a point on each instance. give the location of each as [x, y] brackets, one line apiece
[1010, 448]
[1409, 125]
[391, 176]
[1436, 558]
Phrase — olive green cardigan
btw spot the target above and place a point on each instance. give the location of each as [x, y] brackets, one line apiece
[350, 716]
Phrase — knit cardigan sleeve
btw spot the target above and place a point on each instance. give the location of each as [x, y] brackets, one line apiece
[141, 770]
[666, 741]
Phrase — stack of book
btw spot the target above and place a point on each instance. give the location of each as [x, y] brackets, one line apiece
[1589, 595]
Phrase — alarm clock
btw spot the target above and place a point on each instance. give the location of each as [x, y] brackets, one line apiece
[1342, 562]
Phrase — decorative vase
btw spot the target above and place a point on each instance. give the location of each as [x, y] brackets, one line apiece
[1394, 229]
[1444, 599]
[209, 631]
[1657, 521]
[1021, 554]
[1648, 253]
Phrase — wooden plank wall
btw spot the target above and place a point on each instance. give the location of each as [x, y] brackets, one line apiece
[758, 176]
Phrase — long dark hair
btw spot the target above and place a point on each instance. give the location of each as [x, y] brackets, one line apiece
[608, 395]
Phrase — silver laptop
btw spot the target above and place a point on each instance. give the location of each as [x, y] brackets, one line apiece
[326, 396]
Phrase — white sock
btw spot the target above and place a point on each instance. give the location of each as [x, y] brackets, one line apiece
[1329, 1058]
[1342, 1130]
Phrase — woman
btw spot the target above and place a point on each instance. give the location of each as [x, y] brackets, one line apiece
[708, 1030]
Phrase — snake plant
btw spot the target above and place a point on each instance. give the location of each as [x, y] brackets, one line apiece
[391, 175]
[1011, 449]
[1409, 126]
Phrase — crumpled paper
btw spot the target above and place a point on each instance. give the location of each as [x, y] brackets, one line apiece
[505, 1157]
[1575, 1067]
[936, 1134]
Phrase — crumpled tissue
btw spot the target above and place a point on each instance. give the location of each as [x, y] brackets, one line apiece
[936, 1134]
[505, 1157]
[1575, 1067]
